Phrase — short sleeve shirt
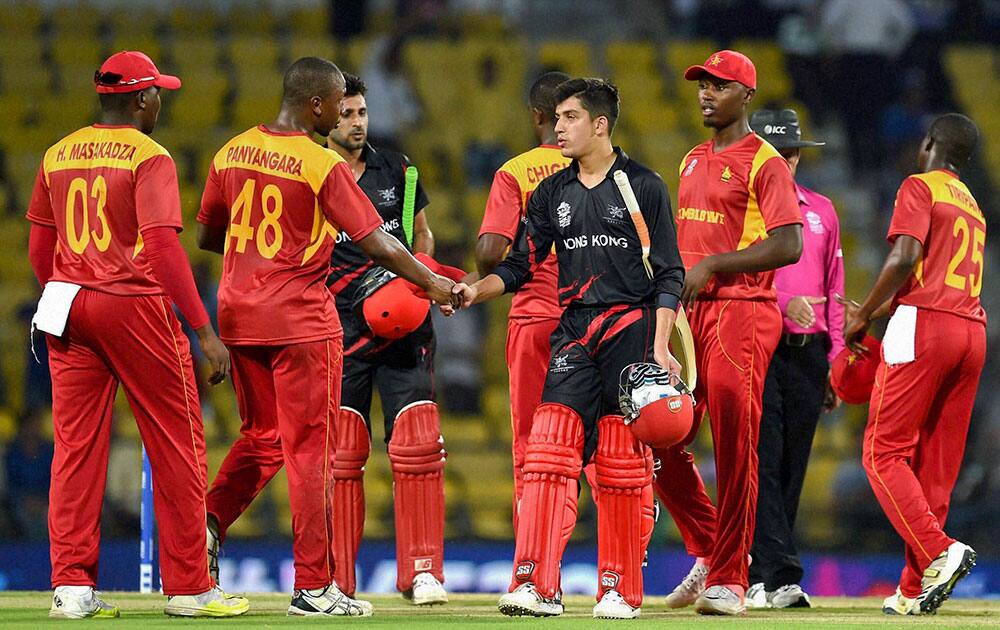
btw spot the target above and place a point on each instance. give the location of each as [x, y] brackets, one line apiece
[729, 200]
[99, 187]
[938, 210]
[284, 198]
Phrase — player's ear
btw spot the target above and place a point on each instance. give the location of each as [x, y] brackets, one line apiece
[749, 96]
[537, 117]
[317, 105]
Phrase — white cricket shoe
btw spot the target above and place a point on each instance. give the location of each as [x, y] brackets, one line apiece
[899, 604]
[328, 602]
[426, 591]
[614, 606]
[526, 601]
[719, 600]
[690, 587]
[756, 596]
[80, 602]
[212, 603]
[944, 572]
[789, 596]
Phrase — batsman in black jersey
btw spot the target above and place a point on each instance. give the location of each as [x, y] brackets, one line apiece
[620, 305]
[402, 368]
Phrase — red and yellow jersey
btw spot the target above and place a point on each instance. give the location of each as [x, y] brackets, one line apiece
[505, 211]
[729, 200]
[938, 210]
[282, 199]
[98, 187]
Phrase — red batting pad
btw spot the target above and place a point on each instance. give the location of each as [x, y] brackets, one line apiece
[416, 453]
[624, 508]
[353, 448]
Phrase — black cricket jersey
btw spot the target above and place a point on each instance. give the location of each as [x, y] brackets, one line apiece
[596, 243]
[383, 182]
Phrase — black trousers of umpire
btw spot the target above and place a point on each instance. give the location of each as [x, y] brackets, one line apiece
[793, 401]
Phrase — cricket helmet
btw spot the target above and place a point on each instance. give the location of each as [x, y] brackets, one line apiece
[658, 406]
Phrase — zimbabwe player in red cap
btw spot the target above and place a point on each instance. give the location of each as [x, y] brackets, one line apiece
[738, 219]
[400, 364]
[274, 203]
[932, 357]
[105, 214]
[620, 279]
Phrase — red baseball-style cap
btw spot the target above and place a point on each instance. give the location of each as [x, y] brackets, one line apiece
[728, 65]
[131, 71]
[852, 375]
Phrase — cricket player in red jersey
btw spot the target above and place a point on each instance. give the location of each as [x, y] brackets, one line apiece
[105, 214]
[738, 219]
[535, 310]
[273, 204]
[932, 357]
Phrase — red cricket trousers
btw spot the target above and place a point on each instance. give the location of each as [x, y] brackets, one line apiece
[137, 342]
[288, 398]
[918, 420]
[734, 341]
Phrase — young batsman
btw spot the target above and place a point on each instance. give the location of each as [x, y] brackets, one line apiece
[932, 356]
[738, 219]
[535, 310]
[274, 203]
[615, 314]
[105, 213]
[403, 370]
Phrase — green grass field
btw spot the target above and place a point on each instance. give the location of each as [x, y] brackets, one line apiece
[28, 609]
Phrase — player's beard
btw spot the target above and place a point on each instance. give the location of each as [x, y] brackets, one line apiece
[350, 144]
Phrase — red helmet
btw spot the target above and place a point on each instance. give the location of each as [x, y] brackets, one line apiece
[658, 406]
[852, 375]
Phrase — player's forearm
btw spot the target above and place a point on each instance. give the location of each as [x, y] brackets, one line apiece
[211, 238]
[490, 287]
[388, 252]
[490, 250]
[423, 242]
[665, 318]
[783, 246]
[41, 251]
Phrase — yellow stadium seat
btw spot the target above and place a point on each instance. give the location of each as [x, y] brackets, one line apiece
[20, 20]
[254, 53]
[199, 104]
[308, 21]
[773, 82]
[570, 57]
[79, 19]
[258, 98]
[318, 45]
[497, 90]
[194, 19]
[77, 50]
[428, 62]
[149, 44]
[251, 16]
[195, 54]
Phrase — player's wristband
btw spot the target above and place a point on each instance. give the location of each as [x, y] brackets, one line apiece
[667, 300]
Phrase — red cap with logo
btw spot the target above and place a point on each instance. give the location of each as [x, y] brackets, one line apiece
[131, 71]
[852, 375]
[727, 65]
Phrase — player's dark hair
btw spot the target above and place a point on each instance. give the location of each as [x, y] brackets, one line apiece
[957, 137]
[353, 85]
[598, 97]
[309, 77]
[542, 95]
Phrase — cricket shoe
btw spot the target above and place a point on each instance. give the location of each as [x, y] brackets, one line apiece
[899, 604]
[525, 601]
[719, 600]
[328, 602]
[789, 596]
[614, 606]
[944, 572]
[212, 603]
[426, 591]
[690, 587]
[212, 542]
[756, 596]
[80, 602]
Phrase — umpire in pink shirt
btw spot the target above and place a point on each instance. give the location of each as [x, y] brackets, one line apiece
[797, 388]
